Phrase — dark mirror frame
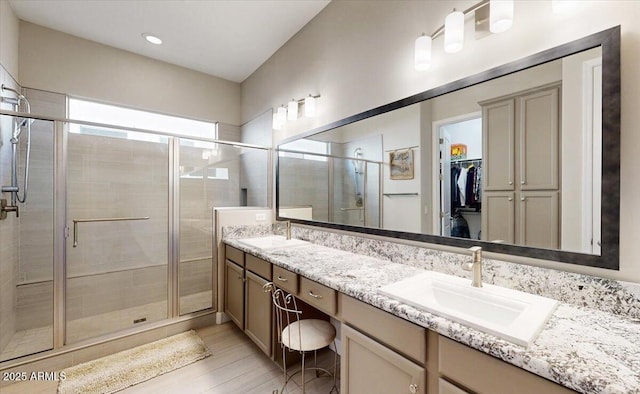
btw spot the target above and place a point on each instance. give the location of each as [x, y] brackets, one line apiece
[609, 40]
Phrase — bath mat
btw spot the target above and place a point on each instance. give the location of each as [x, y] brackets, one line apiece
[129, 367]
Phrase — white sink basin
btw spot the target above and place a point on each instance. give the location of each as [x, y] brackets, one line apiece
[508, 314]
[272, 242]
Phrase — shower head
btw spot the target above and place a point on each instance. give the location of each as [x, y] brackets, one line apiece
[357, 164]
[20, 122]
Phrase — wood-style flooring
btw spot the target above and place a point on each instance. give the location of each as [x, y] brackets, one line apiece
[236, 366]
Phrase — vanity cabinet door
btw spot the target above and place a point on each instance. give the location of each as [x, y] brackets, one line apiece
[538, 218]
[234, 293]
[258, 314]
[538, 139]
[369, 367]
[498, 217]
[498, 141]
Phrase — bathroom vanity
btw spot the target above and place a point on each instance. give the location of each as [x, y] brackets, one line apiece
[388, 346]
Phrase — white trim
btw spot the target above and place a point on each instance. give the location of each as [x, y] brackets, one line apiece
[435, 164]
[588, 71]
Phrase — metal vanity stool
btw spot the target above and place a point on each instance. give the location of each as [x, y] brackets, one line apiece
[301, 335]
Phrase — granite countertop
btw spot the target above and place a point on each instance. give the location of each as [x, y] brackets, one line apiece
[584, 349]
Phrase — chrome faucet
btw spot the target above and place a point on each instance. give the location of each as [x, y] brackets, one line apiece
[287, 223]
[475, 266]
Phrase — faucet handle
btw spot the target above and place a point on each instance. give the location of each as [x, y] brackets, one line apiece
[476, 252]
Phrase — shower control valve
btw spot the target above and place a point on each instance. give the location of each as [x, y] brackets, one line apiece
[4, 208]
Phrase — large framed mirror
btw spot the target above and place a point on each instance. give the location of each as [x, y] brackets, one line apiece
[522, 159]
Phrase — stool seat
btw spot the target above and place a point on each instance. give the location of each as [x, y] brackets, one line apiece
[315, 334]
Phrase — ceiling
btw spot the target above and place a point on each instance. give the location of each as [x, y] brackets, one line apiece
[229, 39]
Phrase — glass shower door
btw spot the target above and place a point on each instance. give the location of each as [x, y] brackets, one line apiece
[26, 256]
[117, 213]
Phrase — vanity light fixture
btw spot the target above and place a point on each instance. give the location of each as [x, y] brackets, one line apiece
[290, 111]
[152, 39]
[500, 15]
[454, 32]
[310, 106]
[423, 52]
[500, 20]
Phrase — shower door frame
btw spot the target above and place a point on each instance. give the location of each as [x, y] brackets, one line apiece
[62, 229]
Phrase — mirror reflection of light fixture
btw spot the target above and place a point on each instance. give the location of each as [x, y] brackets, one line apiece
[500, 20]
[423, 52]
[310, 106]
[454, 32]
[500, 15]
[292, 110]
[276, 124]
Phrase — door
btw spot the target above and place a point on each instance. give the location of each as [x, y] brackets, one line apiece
[498, 145]
[234, 293]
[369, 367]
[538, 136]
[498, 217]
[258, 314]
[538, 219]
[117, 214]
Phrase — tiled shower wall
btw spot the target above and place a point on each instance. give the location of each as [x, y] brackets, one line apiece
[300, 181]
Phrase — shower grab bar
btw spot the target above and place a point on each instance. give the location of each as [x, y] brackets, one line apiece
[76, 221]
[351, 209]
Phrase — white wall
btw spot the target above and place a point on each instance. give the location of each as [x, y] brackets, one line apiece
[9, 27]
[59, 62]
[359, 55]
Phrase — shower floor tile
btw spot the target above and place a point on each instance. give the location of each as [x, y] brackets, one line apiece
[35, 340]
[28, 342]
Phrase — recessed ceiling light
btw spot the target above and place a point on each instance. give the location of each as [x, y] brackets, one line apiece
[152, 39]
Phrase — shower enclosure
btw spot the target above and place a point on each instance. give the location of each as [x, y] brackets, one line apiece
[117, 230]
[352, 184]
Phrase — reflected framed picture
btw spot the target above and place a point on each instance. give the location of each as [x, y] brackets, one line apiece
[401, 164]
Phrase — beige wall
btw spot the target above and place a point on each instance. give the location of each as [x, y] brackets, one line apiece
[59, 62]
[9, 27]
[359, 55]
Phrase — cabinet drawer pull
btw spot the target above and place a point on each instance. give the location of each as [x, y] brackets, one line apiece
[413, 388]
[319, 297]
[511, 182]
[281, 279]
[510, 199]
[522, 198]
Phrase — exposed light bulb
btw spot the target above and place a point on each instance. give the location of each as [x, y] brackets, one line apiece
[454, 32]
[310, 106]
[422, 54]
[500, 15]
[292, 112]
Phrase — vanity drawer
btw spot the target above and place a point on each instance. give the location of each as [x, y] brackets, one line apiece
[477, 372]
[286, 280]
[258, 266]
[319, 296]
[235, 255]
[404, 337]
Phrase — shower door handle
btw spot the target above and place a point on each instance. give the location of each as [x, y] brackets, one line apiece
[76, 221]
